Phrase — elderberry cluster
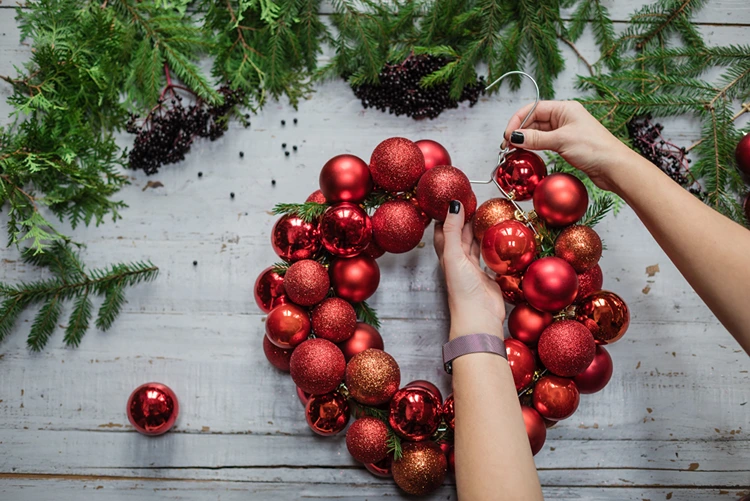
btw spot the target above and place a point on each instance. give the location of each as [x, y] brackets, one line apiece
[400, 92]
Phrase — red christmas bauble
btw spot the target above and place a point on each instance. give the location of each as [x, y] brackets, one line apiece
[566, 348]
[278, 357]
[522, 363]
[449, 412]
[490, 213]
[550, 284]
[555, 398]
[381, 469]
[317, 366]
[355, 279]
[470, 207]
[452, 460]
[345, 178]
[580, 246]
[317, 197]
[365, 336]
[414, 413]
[303, 396]
[396, 164]
[269, 290]
[327, 414]
[746, 206]
[152, 409]
[742, 155]
[512, 288]
[439, 186]
[294, 239]
[535, 428]
[521, 173]
[526, 323]
[560, 199]
[397, 226]
[605, 314]
[373, 250]
[508, 247]
[345, 229]
[287, 326]
[426, 220]
[434, 153]
[334, 319]
[597, 374]
[306, 282]
[589, 281]
[421, 468]
[367, 440]
[421, 383]
[372, 377]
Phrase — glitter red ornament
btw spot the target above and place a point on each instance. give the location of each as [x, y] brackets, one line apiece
[397, 164]
[317, 366]
[365, 336]
[742, 155]
[355, 279]
[426, 220]
[327, 414]
[439, 186]
[555, 398]
[512, 288]
[434, 153]
[605, 314]
[380, 469]
[278, 357]
[334, 319]
[535, 428]
[345, 229]
[421, 468]
[269, 290]
[152, 409]
[449, 412]
[560, 199]
[373, 250]
[508, 247]
[397, 226]
[294, 239]
[367, 440]
[566, 348]
[414, 413]
[421, 383]
[526, 323]
[521, 173]
[522, 363]
[580, 246]
[589, 281]
[287, 326]
[345, 178]
[317, 197]
[306, 282]
[597, 374]
[372, 377]
[550, 284]
[490, 213]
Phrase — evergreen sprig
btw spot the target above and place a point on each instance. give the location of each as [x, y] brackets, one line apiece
[394, 445]
[602, 205]
[307, 211]
[365, 313]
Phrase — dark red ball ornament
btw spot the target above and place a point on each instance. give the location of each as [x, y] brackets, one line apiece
[589, 281]
[303, 396]
[535, 428]
[382, 468]
[521, 173]
[526, 323]
[426, 220]
[550, 284]
[522, 363]
[508, 247]
[365, 336]
[317, 366]
[556, 398]
[345, 229]
[414, 413]
[345, 178]
[434, 153]
[421, 383]
[152, 409]
[742, 155]
[327, 414]
[278, 357]
[597, 374]
[294, 239]
[367, 440]
[397, 164]
[317, 197]
[449, 412]
[334, 319]
[566, 348]
[269, 290]
[373, 250]
[605, 314]
[560, 199]
[439, 185]
[355, 279]
[512, 288]
[306, 282]
[397, 226]
[287, 326]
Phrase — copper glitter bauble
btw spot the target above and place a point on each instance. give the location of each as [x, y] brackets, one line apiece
[269, 290]
[550, 284]
[365, 336]
[439, 186]
[414, 413]
[317, 197]
[345, 229]
[397, 164]
[434, 153]
[589, 281]
[560, 199]
[449, 412]
[597, 374]
[373, 250]
[742, 155]
[535, 428]
[287, 326]
[421, 468]
[522, 363]
[566, 348]
[345, 178]
[367, 440]
[334, 319]
[508, 247]
[303, 396]
[306, 282]
[152, 409]
[426, 220]
[278, 357]
[294, 239]
[580, 246]
[526, 323]
[317, 366]
[327, 414]
[490, 213]
[421, 383]
[397, 227]
[372, 377]
[355, 279]
[605, 314]
[382, 468]
[512, 288]
[521, 173]
[555, 397]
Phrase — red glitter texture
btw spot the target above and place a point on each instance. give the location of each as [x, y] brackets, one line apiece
[421, 469]
[397, 164]
[566, 348]
[317, 366]
[397, 226]
[306, 282]
[372, 377]
[334, 319]
[589, 281]
[580, 246]
[317, 197]
[439, 186]
[278, 357]
[367, 440]
[490, 213]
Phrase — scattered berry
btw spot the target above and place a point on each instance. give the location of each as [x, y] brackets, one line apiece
[273, 182]
[283, 145]
[294, 147]
[283, 122]
[295, 120]
[286, 153]
[242, 154]
[195, 263]
[231, 195]
[200, 174]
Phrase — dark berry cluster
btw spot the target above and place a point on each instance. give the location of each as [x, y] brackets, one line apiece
[399, 90]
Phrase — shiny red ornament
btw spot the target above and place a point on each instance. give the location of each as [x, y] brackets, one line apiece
[522, 363]
[287, 326]
[372, 377]
[566, 348]
[152, 409]
[397, 164]
[345, 229]
[327, 414]
[294, 239]
[317, 197]
[355, 279]
[560, 199]
[589, 281]
[742, 155]
[426, 220]
[345, 178]
[512, 288]
[508, 247]
[367, 440]
[580, 246]
[605, 314]
[303, 396]
[334, 319]
[306, 282]
[555, 398]
[373, 250]
[550, 284]
[421, 383]
[597, 374]
[535, 428]
[452, 460]
[526, 323]
[490, 213]
[414, 413]
[269, 290]
[381, 469]
[434, 153]
[421, 468]
[317, 366]
[397, 226]
[521, 173]
[449, 412]
[278, 357]
[365, 336]
[439, 186]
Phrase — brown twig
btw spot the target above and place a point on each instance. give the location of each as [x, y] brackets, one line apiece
[745, 108]
[18, 189]
[580, 56]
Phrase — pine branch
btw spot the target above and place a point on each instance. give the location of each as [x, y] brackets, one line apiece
[394, 445]
[602, 205]
[375, 199]
[308, 211]
[280, 267]
[366, 314]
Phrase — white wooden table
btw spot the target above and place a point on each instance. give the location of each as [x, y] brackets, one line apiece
[672, 424]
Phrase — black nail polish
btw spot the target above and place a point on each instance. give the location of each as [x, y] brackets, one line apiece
[455, 206]
[516, 137]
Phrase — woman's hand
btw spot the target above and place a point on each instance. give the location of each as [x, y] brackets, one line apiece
[475, 301]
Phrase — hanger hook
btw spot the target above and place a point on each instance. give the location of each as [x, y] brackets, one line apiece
[536, 101]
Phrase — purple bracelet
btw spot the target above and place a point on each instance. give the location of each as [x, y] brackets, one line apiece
[472, 343]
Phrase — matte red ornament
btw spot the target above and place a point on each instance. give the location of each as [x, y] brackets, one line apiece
[597, 374]
[365, 336]
[522, 363]
[589, 281]
[303, 396]
[345, 229]
[439, 186]
[742, 155]
[426, 220]
[294, 239]
[421, 468]
[372, 377]
[397, 226]
[555, 398]
[508, 247]
[287, 326]
[434, 153]
[490, 213]
[355, 279]
[373, 250]
[278, 357]
[580, 246]
[317, 366]
[521, 173]
[512, 288]
[306, 282]
[152, 409]
[414, 413]
[535, 428]
[345, 178]
[381, 469]
[397, 164]
[605, 314]
[327, 414]
[269, 290]
[566, 348]
[367, 440]
[317, 197]
[550, 284]
[334, 319]
[449, 412]
[526, 323]
[421, 383]
[560, 199]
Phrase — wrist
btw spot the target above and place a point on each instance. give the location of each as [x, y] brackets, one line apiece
[464, 327]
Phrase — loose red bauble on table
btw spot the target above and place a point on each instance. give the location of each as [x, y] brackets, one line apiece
[317, 366]
[355, 279]
[278, 357]
[414, 413]
[580, 246]
[306, 282]
[508, 247]
[520, 174]
[434, 153]
[566, 348]
[327, 414]
[293, 239]
[589, 281]
[526, 323]
[521, 361]
[421, 468]
[345, 229]
[397, 226]
[334, 319]
[605, 314]
[560, 199]
[535, 428]
[345, 178]
[439, 186]
[555, 398]
[397, 164]
[490, 213]
[152, 409]
[269, 290]
[550, 284]
[287, 326]
[367, 440]
[597, 374]
[372, 377]
[512, 288]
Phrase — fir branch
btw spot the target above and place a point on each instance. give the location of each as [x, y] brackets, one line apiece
[308, 211]
[280, 267]
[366, 314]
[602, 205]
[375, 199]
[394, 445]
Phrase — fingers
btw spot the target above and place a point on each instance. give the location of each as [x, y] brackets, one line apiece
[467, 237]
[439, 239]
[474, 252]
[533, 139]
[542, 113]
[452, 232]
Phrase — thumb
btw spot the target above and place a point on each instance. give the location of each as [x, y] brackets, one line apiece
[452, 228]
[533, 139]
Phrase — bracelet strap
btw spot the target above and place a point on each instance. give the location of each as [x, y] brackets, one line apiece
[473, 343]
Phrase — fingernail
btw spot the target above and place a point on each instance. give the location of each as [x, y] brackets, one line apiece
[455, 206]
[516, 137]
